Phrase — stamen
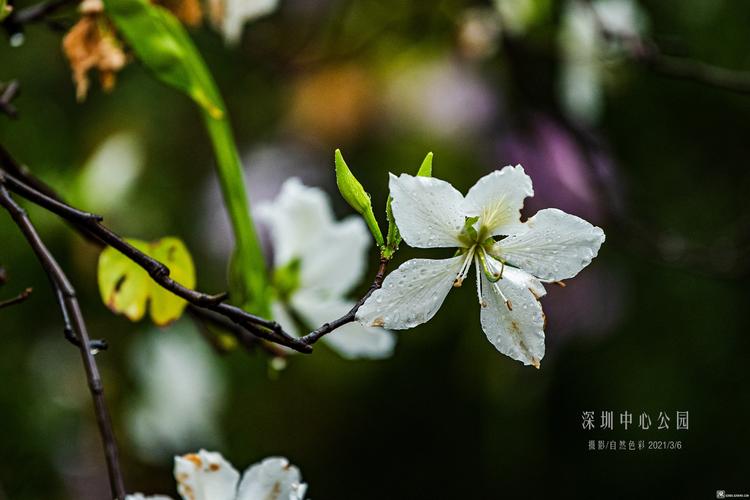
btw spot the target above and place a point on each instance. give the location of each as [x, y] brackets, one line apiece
[482, 303]
[508, 303]
[488, 265]
[464, 268]
[493, 260]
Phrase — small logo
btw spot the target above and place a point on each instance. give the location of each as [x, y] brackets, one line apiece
[721, 494]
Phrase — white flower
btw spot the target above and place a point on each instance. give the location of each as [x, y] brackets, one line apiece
[177, 374]
[230, 16]
[550, 246]
[208, 476]
[317, 262]
[111, 172]
[584, 49]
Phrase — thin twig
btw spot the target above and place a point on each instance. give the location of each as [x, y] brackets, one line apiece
[19, 171]
[246, 339]
[8, 92]
[648, 53]
[72, 309]
[37, 12]
[327, 328]
[91, 224]
[21, 297]
[682, 68]
[68, 331]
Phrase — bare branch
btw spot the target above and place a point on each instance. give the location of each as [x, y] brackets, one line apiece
[246, 339]
[90, 224]
[327, 328]
[648, 53]
[72, 313]
[21, 297]
[35, 13]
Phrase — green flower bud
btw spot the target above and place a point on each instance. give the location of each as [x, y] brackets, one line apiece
[354, 194]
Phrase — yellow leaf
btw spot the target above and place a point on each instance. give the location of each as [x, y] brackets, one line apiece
[165, 306]
[127, 289]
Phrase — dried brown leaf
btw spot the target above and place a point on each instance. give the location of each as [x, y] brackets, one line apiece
[91, 44]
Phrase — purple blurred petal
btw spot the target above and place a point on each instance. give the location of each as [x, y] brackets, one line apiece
[565, 175]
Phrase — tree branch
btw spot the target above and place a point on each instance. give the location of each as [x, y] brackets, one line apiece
[327, 328]
[247, 340]
[72, 312]
[21, 297]
[35, 13]
[91, 225]
[648, 53]
[241, 323]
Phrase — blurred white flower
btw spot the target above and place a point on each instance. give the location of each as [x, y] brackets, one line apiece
[317, 262]
[584, 50]
[266, 168]
[181, 392]
[110, 173]
[230, 16]
[430, 213]
[208, 476]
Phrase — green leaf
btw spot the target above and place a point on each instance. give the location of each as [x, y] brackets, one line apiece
[393, 238]
[354, 194]
[127, 289]
[425, 169]
[163, 45]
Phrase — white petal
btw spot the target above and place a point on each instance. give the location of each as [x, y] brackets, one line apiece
[335, 262]
[497, 198]
[112, 171]
[556, 245]
[524, 280]
[176, 372]
[518, 333]
[297, 216]
[411, 294]
[140, 496]
[352, 341]
[205, 476]
[272, 479]
[426, 211]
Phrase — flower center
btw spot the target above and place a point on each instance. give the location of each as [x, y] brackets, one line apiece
[485, 263]
[461, 276]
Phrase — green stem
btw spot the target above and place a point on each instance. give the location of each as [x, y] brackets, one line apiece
[247, 269]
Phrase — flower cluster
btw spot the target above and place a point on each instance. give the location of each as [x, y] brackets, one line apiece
[208, 476]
